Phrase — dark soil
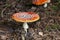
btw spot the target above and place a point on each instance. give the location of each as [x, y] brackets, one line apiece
[48, 24]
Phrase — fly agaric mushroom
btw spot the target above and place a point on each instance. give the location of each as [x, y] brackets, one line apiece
[41, 2]
[25, 17]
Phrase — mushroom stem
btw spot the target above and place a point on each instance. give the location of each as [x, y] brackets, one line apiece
[23, 38]
[25, 26]
[45, 5]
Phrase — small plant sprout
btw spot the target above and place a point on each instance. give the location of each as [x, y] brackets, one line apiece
[25, 17]
[41, 2]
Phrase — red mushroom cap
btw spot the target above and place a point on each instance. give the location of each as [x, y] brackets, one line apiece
[39, 2]
[25, 17]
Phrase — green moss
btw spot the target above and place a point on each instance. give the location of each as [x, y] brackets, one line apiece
[54, 7]
[54, 27]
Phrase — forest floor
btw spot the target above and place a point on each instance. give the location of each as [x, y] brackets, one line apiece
[46, 28]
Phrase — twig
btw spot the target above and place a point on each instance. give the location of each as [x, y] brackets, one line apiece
[3, 12]
[5, 9]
